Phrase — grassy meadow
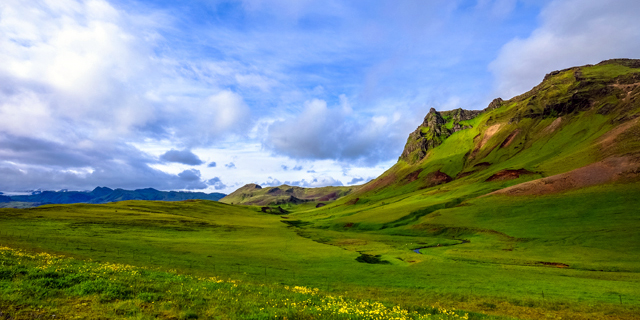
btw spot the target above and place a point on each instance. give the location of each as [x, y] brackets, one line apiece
[485, 273]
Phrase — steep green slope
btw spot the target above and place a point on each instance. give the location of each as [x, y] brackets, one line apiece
[574, 118]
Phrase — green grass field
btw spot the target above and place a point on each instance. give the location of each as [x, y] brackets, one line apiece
[509, 263]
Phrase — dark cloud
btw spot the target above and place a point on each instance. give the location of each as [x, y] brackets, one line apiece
[212, 164]
[355, 181]
[216, 183]
[297, 168]
[185, 157]
[285, 168]
[114, 174]
[49, 153]
[35, 163]
[311, 171]
[230, 165]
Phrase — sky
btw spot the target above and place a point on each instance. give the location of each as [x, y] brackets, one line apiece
[210, 95]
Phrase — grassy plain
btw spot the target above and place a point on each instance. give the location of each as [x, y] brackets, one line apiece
[505, 271]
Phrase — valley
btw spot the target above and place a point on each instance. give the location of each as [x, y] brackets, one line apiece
[527, 209]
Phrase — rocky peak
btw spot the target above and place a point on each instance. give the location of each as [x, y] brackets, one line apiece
[495, 104]
[433, 131]
[433, 119]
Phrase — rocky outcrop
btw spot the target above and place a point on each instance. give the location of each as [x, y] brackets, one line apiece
[433, 131]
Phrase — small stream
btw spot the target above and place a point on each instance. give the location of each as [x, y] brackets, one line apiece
[417, 250]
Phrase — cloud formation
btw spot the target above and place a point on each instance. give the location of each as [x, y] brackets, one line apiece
[315, 182]
[320, 132]
[216, 183]
[185, 157]
[571, 33]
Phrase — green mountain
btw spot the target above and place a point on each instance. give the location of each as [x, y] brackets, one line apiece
[547, 177]
[576, 129]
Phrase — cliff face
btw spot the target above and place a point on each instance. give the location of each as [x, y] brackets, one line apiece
[436, 127]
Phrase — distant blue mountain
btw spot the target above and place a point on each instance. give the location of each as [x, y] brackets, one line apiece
[104, 195]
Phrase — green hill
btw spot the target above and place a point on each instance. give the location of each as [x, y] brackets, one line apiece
[527, 209]
[286, 196]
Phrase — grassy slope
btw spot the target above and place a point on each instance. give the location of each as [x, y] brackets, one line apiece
[591, 230]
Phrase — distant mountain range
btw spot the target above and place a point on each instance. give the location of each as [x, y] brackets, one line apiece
[104, 195]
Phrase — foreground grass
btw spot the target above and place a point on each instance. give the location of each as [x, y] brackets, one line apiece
[42, 285]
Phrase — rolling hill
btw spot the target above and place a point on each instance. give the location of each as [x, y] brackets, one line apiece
[284, 195]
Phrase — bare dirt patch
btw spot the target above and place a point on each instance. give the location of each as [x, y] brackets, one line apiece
[413, 176]
[553, 126]
[508, 174]
[329, 197]
[378, 183]
[512, 136]
[609, 139]
[353, 201]
[435, 178]
[487, 135]
[609, 170]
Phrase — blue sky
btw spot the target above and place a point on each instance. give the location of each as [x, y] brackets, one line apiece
[211, 95]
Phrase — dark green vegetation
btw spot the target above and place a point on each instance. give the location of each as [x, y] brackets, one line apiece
[101, 195]
[531, 211]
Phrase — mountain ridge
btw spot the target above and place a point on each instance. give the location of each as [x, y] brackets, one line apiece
[105, 195]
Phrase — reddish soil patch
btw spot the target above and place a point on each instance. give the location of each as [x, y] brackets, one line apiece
[329, 197]
[508, 174]
[378, 183]
[413, 176]
[353, 201]
[348, 225]
[608, 170]
[608, 140]
[465, 174]
[553, 126]
[487, 135]
[435, 178]
[510, 138]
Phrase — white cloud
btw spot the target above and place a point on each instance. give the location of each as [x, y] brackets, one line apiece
[72, 61]
[571, 33]
[320, 132]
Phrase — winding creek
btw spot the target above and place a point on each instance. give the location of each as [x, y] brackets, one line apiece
[417, 250]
